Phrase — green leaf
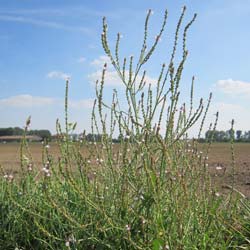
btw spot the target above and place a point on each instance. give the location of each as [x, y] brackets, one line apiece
[158, 244]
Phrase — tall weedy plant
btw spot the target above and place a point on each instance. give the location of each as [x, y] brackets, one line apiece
[149, 191]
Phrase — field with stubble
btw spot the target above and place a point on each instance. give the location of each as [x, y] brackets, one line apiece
[219, 163]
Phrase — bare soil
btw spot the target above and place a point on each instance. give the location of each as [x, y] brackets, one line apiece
[219, 163]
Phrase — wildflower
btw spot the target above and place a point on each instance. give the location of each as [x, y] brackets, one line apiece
[69, 240]
[141, 197]
[30, 167]
[128, 228]
[217, 194]
[219, 168]
[9, 177]
[173, 179]
[47, 146]
[46, 170]
[88, 161]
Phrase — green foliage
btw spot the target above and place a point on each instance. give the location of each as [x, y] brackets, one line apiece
[225, 136]
[43, 133]
[150, 191]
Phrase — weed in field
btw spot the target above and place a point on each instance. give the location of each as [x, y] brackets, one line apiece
[149, 191]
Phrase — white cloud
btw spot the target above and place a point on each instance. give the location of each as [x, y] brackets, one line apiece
[84, 103]
[111, 76]
[99, 62]
[58, 75]
[82, 59]
[24, 101]
[234, 87]
[229, 111]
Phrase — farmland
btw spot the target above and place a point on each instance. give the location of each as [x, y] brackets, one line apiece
[155, 189]
[219, 162]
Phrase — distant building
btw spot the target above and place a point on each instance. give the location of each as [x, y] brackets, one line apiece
[17, 138]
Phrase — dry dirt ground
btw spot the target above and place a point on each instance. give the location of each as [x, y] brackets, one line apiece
[219, 163]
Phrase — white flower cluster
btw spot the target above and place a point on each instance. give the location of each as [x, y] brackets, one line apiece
[70, 240]
[46, 169]
[8, 177]
[30, 167]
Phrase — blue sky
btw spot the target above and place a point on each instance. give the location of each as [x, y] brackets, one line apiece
[44, 42]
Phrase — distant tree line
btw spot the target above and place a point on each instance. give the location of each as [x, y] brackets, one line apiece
[217, 135]
[225, 136]
[43, 133]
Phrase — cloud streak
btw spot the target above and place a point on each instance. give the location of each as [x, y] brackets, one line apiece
[58, 75]
[42, 23]
[83, 103]
[82, 59]
[25, 101]
[29, 101]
